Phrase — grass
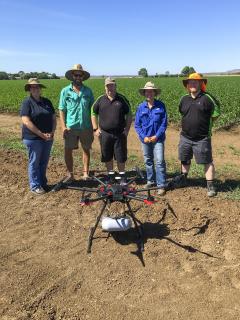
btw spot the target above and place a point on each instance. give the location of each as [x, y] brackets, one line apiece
[225, 89]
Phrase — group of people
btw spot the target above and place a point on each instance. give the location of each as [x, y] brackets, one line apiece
[109, 119]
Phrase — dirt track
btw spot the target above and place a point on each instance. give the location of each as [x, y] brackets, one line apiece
[189, 269]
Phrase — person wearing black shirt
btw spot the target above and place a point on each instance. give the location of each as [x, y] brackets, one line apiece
[198, 110]
[39, 123]
[111, 120]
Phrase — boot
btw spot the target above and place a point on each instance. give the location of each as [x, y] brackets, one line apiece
[211, 190]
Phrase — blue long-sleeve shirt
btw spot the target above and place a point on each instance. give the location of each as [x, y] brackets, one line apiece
[151, 122]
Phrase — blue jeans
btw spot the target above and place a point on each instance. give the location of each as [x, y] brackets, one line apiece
[155, 152]
[38, 157]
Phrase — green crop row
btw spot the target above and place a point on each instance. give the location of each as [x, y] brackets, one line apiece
[225, 89]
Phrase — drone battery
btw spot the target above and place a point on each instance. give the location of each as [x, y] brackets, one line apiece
[116, 224]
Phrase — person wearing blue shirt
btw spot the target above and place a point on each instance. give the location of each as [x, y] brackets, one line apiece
[75, 117]
[39, 124]
[150, 125]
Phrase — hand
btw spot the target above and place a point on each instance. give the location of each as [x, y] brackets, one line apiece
[153, 139]
[147, 140]
[47, 136]
[98, 132]
[65, 132]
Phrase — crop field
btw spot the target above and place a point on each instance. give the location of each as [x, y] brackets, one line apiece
[225, 89]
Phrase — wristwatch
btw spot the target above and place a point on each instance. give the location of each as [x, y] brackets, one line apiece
[95, 129]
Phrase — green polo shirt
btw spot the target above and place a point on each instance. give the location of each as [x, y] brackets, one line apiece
[77, 107]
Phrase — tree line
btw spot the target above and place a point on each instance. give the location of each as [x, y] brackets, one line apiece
[22, 75]
[184, 73]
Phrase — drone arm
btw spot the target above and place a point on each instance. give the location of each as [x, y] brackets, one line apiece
[92, 190]
[86, 201]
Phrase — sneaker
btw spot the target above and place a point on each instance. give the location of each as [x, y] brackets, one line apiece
[149, 184]
[38, 191]
[211, 190]
[161, 192]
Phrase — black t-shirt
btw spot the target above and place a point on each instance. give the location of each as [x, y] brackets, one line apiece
[196, 116]
[40, 113]
[111, 114]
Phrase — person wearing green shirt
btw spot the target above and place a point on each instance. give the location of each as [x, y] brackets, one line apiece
[75, 117]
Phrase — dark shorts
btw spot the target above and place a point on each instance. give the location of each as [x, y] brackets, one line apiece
[202, 150]
[113, 145]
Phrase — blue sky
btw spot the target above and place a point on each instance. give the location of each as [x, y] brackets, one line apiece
[119, 37]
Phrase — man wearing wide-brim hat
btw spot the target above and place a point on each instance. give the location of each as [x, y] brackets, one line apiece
[75, 116]
[150, 125]
[198, 109]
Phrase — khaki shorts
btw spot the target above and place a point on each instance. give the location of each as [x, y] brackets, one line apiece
[74, 136]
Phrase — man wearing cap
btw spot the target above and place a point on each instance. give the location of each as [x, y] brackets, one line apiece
[75, 117]
[198, 110]
[111, 121]
[150, 125]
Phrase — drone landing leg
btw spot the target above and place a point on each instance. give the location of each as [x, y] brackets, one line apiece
[93, 229]
[138, 228]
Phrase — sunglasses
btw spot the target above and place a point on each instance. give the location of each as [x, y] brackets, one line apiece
[77, 75]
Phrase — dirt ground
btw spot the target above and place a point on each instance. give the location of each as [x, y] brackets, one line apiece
[190, 268]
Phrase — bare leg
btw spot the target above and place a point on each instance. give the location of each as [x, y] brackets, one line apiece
[121, 166]
[68, 156]
[109, 165]
[185, 168]
[86, 162]
[209, 171]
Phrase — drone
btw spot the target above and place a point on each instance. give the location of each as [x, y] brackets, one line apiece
[117, 188]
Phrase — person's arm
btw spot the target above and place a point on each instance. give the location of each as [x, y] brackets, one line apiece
[138, 127]
[62, 113]
[94, 119]
[31, 126]
[63, 122]
[54, 120]
[128, 123]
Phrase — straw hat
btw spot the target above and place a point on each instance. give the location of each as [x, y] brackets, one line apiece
[149, 86]
[33, 81]
[194, 76]
[79, 68]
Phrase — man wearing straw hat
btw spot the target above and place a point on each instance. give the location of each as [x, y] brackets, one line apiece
[198, 110]
[150, 125]
[75, 116]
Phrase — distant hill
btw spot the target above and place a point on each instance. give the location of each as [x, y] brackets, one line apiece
[234, 71]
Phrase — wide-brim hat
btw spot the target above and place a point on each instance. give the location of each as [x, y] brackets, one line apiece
[194, 76]
[149, 86]
[79, 68]
[33, 81]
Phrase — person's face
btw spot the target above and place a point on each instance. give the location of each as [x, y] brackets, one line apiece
[77, 77]
[110, 89]
[149, 94]
[194, 85]
[35, 90]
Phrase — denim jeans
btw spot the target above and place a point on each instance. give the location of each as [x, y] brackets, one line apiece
[38, 157]
[154, 152]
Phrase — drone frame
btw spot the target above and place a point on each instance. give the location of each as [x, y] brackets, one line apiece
[114, 191]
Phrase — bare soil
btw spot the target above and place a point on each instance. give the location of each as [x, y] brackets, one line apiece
[190, 268]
